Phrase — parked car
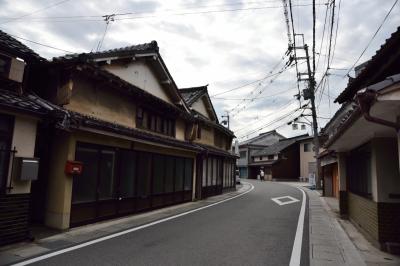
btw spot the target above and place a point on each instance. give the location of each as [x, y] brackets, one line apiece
[237, 180]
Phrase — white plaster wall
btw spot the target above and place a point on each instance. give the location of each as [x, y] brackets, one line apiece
[200, 107]
[139, 74]
[386, 170]
[305, 158]
[24, 139]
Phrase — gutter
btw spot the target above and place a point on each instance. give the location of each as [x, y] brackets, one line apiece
[365, 101]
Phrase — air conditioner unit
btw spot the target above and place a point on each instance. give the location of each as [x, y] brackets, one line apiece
[16, 70]
[12, 68]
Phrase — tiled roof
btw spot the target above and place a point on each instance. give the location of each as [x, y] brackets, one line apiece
[78, 119]
[275, 148]
[128, 50]
[190, 95]
[15, 47]
[384, 63]
[216, 151]
[27, 103]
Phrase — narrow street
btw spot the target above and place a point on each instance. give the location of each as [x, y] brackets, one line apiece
[248, 230]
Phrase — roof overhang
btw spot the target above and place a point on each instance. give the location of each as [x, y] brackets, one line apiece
[357, 130]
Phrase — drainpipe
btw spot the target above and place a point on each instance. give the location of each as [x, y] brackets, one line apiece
[365, 101]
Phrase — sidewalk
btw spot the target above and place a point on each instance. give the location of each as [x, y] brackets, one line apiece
[21, 251]
[334, 241]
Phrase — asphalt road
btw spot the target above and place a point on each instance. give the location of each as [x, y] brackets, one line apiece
[248, 230]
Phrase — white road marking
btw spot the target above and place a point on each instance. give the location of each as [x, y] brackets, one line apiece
[298, 240]
[101, 239]
[279, 201]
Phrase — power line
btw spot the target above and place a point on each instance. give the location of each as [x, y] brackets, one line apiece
[41, 44]
[34, 12]
[270, 123]
[258, 118]
[91, 18]
[263, 97]
[373, 37]
[246, 84]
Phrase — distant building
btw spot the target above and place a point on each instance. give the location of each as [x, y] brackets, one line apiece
[247, 147]
[279, 161]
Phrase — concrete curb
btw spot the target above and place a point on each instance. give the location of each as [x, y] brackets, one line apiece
[20, 252]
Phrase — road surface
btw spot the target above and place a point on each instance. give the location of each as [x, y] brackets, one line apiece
[248, 230]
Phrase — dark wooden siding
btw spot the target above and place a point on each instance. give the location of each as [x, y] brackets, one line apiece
[14, 218]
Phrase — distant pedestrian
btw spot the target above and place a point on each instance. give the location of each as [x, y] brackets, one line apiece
[262, 175]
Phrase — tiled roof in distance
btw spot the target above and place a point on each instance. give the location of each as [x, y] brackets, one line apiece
[11, 45]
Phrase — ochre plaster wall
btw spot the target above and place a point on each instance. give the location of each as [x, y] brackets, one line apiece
[139, 74]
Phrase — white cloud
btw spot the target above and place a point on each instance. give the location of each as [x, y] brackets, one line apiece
[225, 49]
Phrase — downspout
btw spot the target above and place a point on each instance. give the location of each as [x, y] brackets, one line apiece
[365, 101]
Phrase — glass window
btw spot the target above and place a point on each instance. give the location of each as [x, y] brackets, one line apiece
[106, 181]
[209, 172]
[180, 165]
[204, 181]
[307, 147]
[158, 176]
[144, 174]
[139, 117]
[127, 173]
[243, 154]
[85, 185]
[188, 174]
[169, 174]
[6, 131]
[214, 175]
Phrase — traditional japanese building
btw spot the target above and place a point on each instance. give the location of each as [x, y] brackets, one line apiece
[20, 112]
[126, 140]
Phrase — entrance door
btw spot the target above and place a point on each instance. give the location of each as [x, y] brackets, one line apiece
[94, 192]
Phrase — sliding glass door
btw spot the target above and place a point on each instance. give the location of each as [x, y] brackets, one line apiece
[119, 181]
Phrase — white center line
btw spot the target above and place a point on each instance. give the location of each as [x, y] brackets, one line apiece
[101, 239]
[298, 240]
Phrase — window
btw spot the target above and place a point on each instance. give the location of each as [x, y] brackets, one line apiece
[214, 172]
[243, 154]
[188, 174]
[106, 177]
[5, 63]
[209, 171]
[85, 185]
[158, 177]
[204, 181]
[144, 174]
[127, 173]
[6, 131]
[270, 157]
[179, 166]
[260, 158]
[307, 147]
[359, 171]
[139, 117]
[169, 174]
[155, 122]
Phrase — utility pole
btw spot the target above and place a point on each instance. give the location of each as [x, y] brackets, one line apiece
[309, 94]
[225, 122]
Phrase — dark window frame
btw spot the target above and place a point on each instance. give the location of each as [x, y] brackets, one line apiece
[7, 136]
[155, 122]
[7, 64]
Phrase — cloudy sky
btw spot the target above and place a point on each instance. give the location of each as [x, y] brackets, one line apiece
[236, 47]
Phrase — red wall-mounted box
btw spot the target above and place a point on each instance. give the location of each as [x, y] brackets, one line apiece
[73, 168]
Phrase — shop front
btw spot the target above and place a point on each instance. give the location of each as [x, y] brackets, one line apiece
[116, 182]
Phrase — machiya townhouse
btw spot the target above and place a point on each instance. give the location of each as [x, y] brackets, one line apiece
[107, 134]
